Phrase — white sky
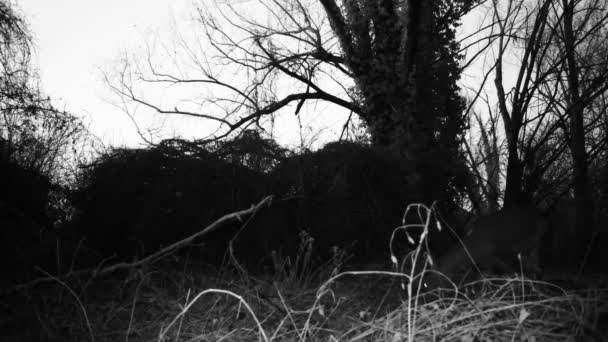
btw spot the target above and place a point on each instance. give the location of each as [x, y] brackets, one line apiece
[76, 40]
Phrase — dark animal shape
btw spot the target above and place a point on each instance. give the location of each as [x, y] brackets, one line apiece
[493, 243]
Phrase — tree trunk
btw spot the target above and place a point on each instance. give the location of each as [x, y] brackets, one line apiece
[577, 145]
[513, 194]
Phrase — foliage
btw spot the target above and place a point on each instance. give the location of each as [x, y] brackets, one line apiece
[345, 195]
[39, 145]
[250, 149]
[33, 133]
[392, 64]
[134, 201]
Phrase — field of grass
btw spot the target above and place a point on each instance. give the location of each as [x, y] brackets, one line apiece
[175, 300]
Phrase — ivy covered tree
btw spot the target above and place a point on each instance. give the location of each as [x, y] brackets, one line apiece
[393, 64]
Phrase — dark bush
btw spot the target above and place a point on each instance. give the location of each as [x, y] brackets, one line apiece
[23, 220]
[133, 202]
[342, 194]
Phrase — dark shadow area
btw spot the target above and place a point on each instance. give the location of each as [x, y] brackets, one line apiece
[347, 195]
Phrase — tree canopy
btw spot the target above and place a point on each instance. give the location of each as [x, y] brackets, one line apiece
[392, 64]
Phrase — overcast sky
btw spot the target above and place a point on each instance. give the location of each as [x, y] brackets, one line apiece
[76, 40]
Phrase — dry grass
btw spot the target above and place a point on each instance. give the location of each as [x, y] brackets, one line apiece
[176, 300]
[189, 305]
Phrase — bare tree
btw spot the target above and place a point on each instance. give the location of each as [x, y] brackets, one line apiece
[33, 133]
[483, 185]
[550, 71]
[578, 55]
[536, 106]
[393, 64]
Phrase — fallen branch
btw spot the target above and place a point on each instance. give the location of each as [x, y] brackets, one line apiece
[235, 216]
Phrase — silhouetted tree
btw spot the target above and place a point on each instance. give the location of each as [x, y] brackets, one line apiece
[38, 148]
[392, 63]
[536, 105]
[550, 82]
[33, 133]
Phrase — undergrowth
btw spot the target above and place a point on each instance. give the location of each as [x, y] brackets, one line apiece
[178, 300]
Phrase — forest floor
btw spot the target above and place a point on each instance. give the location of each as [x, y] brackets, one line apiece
[179, 301]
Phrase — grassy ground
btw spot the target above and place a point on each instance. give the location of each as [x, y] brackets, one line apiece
[180, 301]
[167, 298]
